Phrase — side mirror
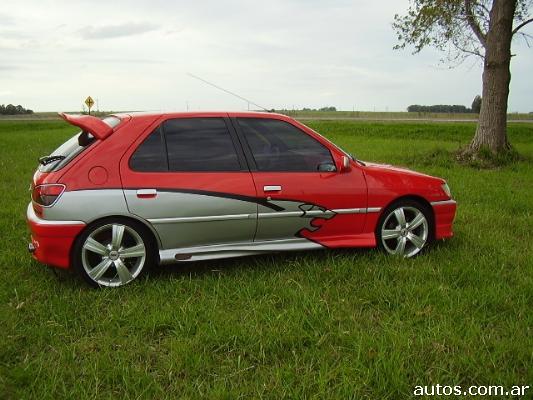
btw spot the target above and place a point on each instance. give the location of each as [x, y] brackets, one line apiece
[346, 163]
[343, 164]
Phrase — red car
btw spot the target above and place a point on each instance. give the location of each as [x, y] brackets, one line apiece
[133, 190]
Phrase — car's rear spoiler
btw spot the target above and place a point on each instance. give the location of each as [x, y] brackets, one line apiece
[95, 126]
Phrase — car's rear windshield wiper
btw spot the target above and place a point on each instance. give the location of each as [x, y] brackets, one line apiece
[50, 159]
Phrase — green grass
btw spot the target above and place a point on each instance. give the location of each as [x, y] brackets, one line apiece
[327, 324]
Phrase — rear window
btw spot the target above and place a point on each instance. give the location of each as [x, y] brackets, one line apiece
[73, 147]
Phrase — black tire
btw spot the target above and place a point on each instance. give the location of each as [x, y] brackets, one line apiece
[416, 234]
[100, 262]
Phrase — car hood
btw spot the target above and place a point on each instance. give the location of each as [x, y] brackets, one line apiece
[399, 170]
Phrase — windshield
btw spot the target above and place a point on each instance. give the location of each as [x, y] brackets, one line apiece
[334, 145]
[71, 148]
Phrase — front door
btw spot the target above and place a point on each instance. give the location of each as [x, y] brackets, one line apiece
[189, 179]
[295, 172]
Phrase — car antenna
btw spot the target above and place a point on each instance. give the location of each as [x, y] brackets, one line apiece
[227, 91]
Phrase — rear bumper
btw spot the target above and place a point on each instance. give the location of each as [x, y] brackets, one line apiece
[51, 241]
[444, 215]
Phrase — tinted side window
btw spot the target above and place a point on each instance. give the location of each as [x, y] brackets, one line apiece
[150, 156]
[279, 146]
[200, 144]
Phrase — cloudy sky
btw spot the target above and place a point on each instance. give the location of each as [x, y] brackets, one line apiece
[135, 55]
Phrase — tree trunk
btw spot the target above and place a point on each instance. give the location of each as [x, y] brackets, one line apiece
[491, 132]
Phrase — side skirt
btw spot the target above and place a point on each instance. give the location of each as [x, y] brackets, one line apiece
[217, 251]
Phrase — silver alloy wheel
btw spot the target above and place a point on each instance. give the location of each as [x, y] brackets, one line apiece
[113, 255]
[405, 231]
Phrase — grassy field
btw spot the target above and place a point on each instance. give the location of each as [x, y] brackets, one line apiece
[395, 115]
[328, 324]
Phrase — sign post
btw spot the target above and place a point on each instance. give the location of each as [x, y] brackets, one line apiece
[89, 102]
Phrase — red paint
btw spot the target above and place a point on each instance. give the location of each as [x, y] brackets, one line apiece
[98, 175]
[88, 123]
[444, 216]
[53, 242]
[105, 154]
[386, 184]
[330, 190]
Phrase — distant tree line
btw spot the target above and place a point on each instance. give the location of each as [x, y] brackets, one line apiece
[10, 109]
[439, 108]
[330, 108]
[445, 108]
[288, 112]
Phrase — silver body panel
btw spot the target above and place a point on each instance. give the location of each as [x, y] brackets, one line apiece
[200, 253]
[88, 205]
[193, 226]
[191, 219]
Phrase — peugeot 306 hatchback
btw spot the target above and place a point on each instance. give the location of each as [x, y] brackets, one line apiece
[133, 190]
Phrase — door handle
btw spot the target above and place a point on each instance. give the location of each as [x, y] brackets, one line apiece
[272, 188]
[146, 193]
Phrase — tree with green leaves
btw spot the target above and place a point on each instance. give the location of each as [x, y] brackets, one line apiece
[10, 109]
[484, 28]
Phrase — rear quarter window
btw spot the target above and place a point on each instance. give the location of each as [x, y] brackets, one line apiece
[151, 155]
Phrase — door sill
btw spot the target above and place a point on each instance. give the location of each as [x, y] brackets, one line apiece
[217, 251]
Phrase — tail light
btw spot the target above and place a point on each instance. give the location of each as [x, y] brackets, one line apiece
[47, 195]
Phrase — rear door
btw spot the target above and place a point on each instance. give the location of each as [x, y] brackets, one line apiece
[189, 179]
[296, 171]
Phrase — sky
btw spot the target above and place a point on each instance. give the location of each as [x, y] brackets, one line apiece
[137, 55]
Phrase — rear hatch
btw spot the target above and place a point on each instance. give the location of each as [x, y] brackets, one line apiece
[92, 129]
[51, 167]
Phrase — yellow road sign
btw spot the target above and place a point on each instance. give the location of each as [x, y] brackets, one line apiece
[89, 101]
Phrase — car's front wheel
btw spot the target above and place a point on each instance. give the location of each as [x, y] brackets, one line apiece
[405, 228]
[112, 252]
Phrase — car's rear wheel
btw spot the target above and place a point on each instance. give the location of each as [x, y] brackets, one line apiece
[405, 228]
[113, 252]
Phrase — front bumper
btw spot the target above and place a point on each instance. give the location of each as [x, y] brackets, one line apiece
[51, 241]
[444, 212]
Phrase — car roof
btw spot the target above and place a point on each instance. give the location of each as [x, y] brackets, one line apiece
[185, 114]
